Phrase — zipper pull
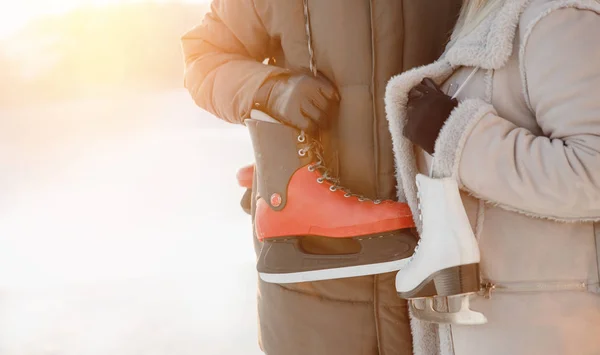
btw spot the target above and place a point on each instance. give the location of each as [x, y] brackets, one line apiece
[487, 288]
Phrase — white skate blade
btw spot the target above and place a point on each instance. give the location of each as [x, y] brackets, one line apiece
[465, 316]
[337, 273]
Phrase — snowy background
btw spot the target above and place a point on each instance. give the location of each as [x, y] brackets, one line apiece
[121, 231]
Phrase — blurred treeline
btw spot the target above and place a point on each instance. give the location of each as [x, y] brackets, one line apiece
[96, 51]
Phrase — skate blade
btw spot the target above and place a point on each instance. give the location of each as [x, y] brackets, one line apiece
[286, 261]
[465, 316]
[333, 273]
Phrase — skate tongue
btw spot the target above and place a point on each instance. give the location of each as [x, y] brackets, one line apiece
[261, 116]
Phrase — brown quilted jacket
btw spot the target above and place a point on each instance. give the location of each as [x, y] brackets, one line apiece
[359, 45]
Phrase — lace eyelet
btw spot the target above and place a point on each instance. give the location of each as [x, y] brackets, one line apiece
[302, 138]
[311, 168]
[332, 188]
[361, 199]
[346, 195]
[320, 180]
[301, 152]
[377, 202]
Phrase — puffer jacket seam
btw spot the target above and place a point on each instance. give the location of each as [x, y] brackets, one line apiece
[353, 85]
[375, 127]
[375, 135]
[376, 314]
[262, 23]
[322, 297]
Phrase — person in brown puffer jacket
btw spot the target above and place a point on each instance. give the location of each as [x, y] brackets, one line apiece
[249, 52]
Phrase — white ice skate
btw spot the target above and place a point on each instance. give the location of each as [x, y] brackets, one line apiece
[446, 261]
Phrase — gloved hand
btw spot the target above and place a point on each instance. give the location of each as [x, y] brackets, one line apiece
[428, 110]
[302, 101]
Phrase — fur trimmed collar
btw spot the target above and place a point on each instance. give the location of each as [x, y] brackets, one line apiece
[490, 44]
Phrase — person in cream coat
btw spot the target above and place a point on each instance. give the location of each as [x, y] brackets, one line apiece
[523, 141]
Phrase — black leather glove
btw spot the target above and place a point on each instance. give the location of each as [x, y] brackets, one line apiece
[428, 110]
[302, 101]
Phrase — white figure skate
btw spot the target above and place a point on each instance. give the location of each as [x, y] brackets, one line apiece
[446, 260]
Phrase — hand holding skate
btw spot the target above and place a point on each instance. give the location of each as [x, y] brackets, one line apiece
[302, 101]
[428, 109]
[446, 259]
[298, 200]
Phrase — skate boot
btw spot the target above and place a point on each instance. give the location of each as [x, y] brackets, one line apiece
[244, 177]
[298, 199]
[446, 260]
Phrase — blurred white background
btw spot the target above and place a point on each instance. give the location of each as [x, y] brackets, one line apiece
[121, 231]
[120, 226]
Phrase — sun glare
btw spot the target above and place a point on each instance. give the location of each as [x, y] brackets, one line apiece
[16, 14]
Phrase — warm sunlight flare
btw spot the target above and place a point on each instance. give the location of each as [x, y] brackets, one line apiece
[91, 46]
[16, 14]
[107, 242]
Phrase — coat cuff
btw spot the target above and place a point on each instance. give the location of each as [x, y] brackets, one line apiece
[453, 136]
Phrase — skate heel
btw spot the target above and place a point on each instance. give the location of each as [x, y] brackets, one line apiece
[457, 280]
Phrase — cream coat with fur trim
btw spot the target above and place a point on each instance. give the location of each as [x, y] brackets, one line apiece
[524, 144]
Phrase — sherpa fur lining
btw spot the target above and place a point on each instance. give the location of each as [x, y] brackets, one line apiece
[454, 134]
[490, 45]
[431, 338]
[396, 100]
[427, 339]
[451, 143]
[531, 214]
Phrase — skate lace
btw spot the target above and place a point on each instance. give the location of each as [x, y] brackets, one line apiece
[415, 250]
[431, 175]
[420, 219]
[314, 146]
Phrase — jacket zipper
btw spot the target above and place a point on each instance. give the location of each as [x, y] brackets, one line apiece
[375, 135]
[488, 287]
